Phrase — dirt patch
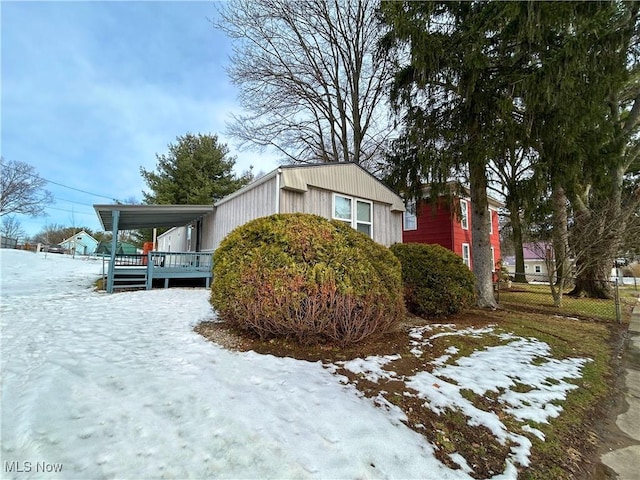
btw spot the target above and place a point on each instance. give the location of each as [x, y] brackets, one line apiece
[449, 431]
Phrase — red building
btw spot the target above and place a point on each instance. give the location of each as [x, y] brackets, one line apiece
[440, 225]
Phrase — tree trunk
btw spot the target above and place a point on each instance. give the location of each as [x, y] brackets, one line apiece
[481, 246]
[594, 282]
[516, 228]
[557, 265]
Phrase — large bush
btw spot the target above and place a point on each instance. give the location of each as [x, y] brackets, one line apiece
[436, 280]
[305, 277]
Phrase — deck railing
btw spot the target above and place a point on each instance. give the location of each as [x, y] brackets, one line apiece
[159, 265]
[177, 261]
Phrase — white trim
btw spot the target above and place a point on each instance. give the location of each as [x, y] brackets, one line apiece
[353, 221]
[333, 208]
[363, 222]
[493, 259]
[411, 213]
[464, 214]
[467, 260]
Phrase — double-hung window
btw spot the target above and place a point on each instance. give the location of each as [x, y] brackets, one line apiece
[466, 254]
[464, 214]
[355, 211]
[410, 217]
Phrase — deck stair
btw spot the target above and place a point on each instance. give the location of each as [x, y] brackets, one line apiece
[131, 271]
[130, 277]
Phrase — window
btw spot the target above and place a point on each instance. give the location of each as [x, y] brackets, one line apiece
[356, 212]
[342, 208]
[538, 269]
[410, 218]
[466, 254]
[464, 214]
[363, 217]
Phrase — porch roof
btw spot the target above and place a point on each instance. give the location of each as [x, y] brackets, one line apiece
[149, 216]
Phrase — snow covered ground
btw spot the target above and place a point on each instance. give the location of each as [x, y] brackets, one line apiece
[119, 386]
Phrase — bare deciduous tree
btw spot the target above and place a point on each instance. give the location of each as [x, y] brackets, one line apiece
[11, 228]
[310, 78]
[22, 190]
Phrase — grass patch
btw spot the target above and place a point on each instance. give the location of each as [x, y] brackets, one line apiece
[570, 439]
[538, 297]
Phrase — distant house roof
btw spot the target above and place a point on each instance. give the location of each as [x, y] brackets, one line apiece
[533, 252]
[121, 248]
[537, 251]
[80, 238]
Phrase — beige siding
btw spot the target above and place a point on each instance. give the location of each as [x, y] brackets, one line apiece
[207, 232]
[387, 225]
[252, 203]
[316, 201]
[346, 178]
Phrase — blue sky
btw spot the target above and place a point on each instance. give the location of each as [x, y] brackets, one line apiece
[91, 91]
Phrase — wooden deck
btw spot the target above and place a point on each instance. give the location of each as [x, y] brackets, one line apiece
[139, 271]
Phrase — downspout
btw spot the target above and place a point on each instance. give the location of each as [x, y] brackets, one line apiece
[278, 190]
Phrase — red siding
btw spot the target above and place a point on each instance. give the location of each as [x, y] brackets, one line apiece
[433, 226]
[444, 228]
[495, 236]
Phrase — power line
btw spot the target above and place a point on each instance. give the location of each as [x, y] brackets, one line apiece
[73, 188]
[69, 211]
[72, 201]
[79, 190]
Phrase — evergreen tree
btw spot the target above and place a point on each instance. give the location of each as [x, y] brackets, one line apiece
[582, 100]
[453, 92]
[197, 170]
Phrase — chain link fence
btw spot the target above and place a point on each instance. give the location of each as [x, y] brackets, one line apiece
[536, 295]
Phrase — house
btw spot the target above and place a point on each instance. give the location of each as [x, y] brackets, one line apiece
[538, 256]
[341, 191]
[436, 221]
[80, 243]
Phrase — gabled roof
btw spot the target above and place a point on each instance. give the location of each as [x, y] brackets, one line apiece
[341, 177]
[536, 251]
[73, 237]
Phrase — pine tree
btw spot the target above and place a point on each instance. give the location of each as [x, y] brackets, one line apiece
[197, 170]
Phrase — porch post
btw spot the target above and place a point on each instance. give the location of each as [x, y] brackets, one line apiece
[150, 267]
[114, 244]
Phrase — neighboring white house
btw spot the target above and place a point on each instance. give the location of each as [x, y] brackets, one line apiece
[80, 243]
[536, 258]
[340, 191]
